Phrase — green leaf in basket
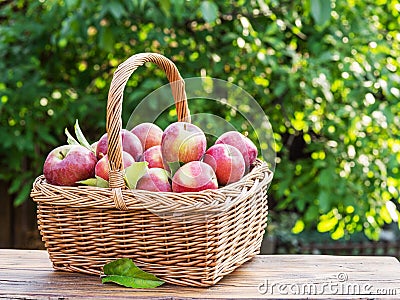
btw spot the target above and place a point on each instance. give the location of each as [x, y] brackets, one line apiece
[81, 138]
[173, 167]
[124, 272]
[98, 181]
[134, 172]
[70, 139]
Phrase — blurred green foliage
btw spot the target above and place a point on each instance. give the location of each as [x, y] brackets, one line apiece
[327, 73]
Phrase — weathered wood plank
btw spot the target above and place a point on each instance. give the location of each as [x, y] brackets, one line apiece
[28, 274]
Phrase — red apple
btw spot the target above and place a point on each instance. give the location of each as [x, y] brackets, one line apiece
[242, 143]
[194, 176]
[149, 134]
[102, 167]
[130, 144]
[227, 163]
[65, 165]
[153, 157]
[156, 180]
[94, 145]
[183, 142]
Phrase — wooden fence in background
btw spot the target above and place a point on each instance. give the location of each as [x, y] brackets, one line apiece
[386, 248]
[18, 227]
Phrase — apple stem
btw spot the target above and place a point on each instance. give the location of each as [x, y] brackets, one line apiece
[62, 154]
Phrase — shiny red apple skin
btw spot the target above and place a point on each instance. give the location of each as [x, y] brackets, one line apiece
[68, 164]
[130, 144]
[195, 176]
[149, 134]
[154, 157]
[155, 180]
[242, 143]
[183, 142]
[227, 163]
[102, 167]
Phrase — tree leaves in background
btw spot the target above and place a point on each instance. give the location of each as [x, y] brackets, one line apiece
[124, 272]
[209, 11]
[321, 11]
[116, 9]
[165, 6]
[106, 39]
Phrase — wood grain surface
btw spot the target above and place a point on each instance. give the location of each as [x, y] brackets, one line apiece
[28, 274]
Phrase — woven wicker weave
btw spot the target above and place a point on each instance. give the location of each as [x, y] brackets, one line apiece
[191, 239]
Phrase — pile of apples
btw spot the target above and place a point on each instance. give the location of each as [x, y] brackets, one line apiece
[174, 160]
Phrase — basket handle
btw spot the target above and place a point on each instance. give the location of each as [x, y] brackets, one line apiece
[114, 106]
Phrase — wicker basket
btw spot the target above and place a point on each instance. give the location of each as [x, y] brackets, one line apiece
[191, 239]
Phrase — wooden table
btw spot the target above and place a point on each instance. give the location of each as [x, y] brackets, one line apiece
[28, 274]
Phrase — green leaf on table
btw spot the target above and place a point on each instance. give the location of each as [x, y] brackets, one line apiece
[98, 181]
[134, 172]
[70, 139]
[81, 138]
[124, 272]
[209, 10]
